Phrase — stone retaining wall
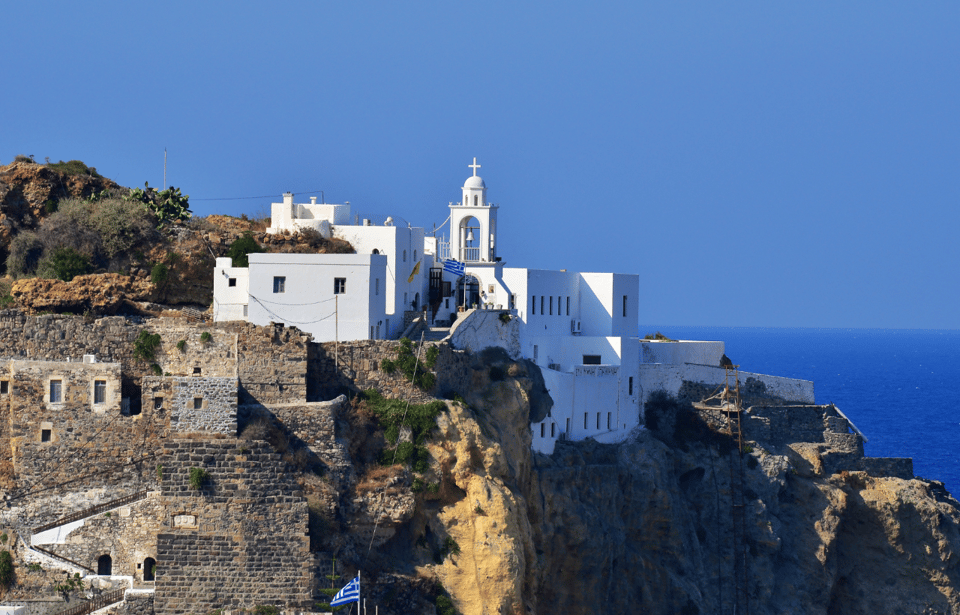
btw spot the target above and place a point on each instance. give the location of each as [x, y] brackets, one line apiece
[358, 369]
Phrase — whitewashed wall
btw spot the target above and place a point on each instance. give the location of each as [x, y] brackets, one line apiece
[684, 351]
[308, 301]
[229, 302]
[670, 378]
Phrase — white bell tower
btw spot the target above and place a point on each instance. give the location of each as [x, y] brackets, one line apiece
[473, 223]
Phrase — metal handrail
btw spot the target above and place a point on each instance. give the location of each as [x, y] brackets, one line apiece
[95, 604]
[62, 558]
[83, 514]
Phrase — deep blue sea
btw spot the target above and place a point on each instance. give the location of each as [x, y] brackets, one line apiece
[901, 387]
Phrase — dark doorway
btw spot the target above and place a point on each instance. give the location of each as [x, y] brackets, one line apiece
[149, 569]
[468, 291]
[104, 565]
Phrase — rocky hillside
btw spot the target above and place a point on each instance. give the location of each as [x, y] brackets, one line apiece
[50, 207]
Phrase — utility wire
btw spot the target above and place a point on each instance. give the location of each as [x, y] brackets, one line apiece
[266, 196]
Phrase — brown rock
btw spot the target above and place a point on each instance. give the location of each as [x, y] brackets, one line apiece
[99, 293]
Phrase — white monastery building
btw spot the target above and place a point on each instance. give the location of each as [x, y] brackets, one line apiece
[581, 329]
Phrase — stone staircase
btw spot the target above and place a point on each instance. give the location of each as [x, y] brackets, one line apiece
[436, 334]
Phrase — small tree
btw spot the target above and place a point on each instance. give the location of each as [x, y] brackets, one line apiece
[6, 568]
[242, 247]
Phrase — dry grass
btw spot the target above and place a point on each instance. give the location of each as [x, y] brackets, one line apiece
[377, 478]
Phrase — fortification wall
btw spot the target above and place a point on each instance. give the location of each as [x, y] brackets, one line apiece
[239, 541]
[194, 404]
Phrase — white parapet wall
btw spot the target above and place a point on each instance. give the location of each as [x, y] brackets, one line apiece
[671, 377]
[683, 351]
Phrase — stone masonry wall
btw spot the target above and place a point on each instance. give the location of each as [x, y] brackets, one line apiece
[241, 540]
[178, 395]
[272, 363]
[84, 438]
[358, 369]
[127, 534]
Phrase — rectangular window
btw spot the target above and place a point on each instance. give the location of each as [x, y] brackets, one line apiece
[56, 391]
[4, 387]
[585, 414]
[99, 391]
[568, 306]
[279, 284]
[533, 305]
[44, 435]
[551, 305]
[197, 403]
[568, 426]
[630, 386]
[232, 282]
[339, 286]
[559, 310]
[541, 305]
[591, 359]
[377, 287]
[535, 353]
[513, 301]
[197, 371]
[608, 419]
[598, 420]
[245, 311]
[543, 429]
[624, 305]
[553, 430]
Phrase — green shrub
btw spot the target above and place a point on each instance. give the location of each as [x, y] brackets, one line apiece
[181, 345]
[159, 472]
[205, 337]
[166, 205]
[35, 567]
[266, 609]
[658, 336]
[159, 274]
[121, 225]
[241, 248]
[4, 538]
[445, 606]
[146, 345]
[421, 419]
[415, 370]
[50, 206]
[505, 317]
[63, 264]
[74, 167]
[198, 476]
[6, 568]
[156, 369]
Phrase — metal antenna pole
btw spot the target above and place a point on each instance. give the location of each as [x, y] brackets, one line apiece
[164, 186]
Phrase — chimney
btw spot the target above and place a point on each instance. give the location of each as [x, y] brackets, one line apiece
[313, 200]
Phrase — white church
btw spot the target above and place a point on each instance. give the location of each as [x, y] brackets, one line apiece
[580, 328]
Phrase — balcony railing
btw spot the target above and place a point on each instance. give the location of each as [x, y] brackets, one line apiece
[469, 255]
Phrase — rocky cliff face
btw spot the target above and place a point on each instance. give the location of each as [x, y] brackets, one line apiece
[647, 526]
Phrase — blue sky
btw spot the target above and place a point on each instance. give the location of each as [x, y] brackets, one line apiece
[757, 163]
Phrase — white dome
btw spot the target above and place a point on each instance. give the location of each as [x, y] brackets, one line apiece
[474, 181]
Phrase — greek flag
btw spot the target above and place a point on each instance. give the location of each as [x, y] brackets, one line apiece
[454, 267]
[349, 593]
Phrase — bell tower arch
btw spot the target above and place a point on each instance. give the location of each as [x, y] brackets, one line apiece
[473, 223]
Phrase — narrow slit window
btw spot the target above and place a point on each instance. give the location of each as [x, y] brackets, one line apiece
[551, 305]
[585, 415]
[99, 391]
[608, 419]
[624, 305]
[568, 306]
[598, 420]
[543, 429]
[533, 305]
[630, 386]
[4, 387]
[553, 430]
[541, 305]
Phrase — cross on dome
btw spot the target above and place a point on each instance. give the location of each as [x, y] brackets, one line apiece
[474, 166]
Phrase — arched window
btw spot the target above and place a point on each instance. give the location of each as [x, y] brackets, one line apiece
[376, 251]
[476, 200]
[149, 569]
[105, 565]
